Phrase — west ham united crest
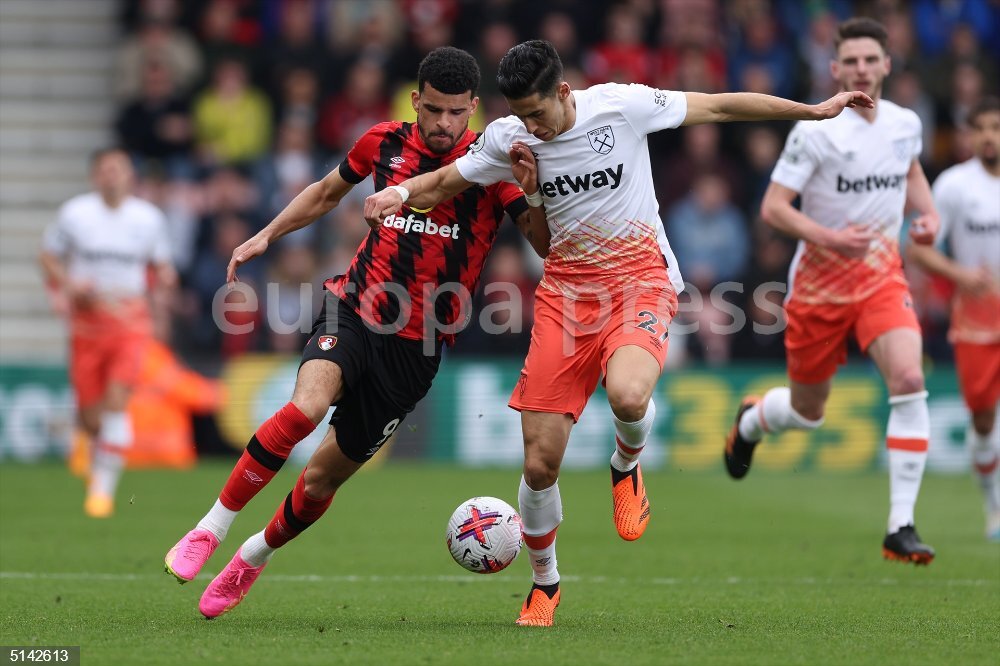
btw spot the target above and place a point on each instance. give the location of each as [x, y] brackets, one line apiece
[602, 139]
[327, 342]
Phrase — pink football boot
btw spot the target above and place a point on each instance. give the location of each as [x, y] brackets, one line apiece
[186, 559]
[227, 590]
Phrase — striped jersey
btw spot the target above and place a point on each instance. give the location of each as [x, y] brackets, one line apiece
[416, 256]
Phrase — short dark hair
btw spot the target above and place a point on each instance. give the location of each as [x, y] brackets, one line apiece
[449, 70]
[528, 68]
[859, 27]
[989, 104]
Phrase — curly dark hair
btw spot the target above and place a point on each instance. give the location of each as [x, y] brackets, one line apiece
[989, 104]
[528, 68]
[449, 70]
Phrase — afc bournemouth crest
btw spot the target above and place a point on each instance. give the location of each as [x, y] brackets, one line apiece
[602, 139]
[327, 342]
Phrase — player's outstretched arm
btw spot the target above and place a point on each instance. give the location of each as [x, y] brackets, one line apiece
[311, 203]
[924, 228]
[777, 210]
[729, 107]
[531, 222]
[423, 192]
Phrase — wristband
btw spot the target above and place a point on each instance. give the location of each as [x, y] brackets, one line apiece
[401, 191]
[534, 200]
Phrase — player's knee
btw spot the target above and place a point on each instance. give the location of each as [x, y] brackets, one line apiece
[629, 401]
[906, 382]
[983, 421]
[539, 474]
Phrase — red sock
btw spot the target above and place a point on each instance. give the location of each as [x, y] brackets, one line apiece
[295, 514]
[265, 454]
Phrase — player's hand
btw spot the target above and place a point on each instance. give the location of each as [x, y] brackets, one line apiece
[81, 295]
[381, 204]
[254, 247]
[976, 281]
[851, 241]
[832, 107]
[524, 167]
[924, 229]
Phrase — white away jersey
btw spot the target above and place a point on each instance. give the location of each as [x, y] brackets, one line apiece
[850, 171]
[109, 248]
[597, 186]
[968, 200]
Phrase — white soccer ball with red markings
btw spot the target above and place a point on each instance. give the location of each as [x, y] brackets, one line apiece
[484, 534]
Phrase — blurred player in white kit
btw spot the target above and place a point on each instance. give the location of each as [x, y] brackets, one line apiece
[96, 259]
[968, 198]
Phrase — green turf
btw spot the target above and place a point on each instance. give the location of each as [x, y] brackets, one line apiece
[776, 569]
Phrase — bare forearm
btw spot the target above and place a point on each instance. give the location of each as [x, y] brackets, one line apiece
[787, 219]
[535, 229]
[919, 198]
[429, 189]
[933, 261]
[53, 269]
[310, 204]
[727, 107]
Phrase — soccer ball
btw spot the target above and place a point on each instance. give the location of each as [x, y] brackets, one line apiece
[484, 534]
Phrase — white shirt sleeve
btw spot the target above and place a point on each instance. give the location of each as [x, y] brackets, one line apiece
[798, 161]
[650, 110]
[487, 161]
[57, 239]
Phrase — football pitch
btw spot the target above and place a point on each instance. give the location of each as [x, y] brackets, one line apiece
[776, 569]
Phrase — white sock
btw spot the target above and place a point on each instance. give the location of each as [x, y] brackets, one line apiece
[774, 414]
[218, 520]
[987, 466]
[631, 438]
[541, 513]
[108, 459]
[255, 550]
[907, 437]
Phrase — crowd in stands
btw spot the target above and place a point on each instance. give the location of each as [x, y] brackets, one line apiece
[231, 107]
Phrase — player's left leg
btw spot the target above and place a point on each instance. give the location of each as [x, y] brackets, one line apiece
[897, 353]
[633, 351]
[114, 436]
[632, 373]
[978, 367]
[326, 471]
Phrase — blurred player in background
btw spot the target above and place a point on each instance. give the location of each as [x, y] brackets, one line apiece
[856, 175]
[968, 198]
[375, 377]
[96, 259]
[610, 283]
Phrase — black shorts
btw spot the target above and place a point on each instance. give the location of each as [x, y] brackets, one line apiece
[385, 376]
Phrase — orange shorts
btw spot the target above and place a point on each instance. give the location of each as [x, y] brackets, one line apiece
[978, 374]
[572, 340]
[816, 337]
[96, 362]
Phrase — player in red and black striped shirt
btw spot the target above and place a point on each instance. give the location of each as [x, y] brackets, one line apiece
[376, 344]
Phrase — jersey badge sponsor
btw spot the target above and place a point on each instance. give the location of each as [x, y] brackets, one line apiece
[602, 139]
[396, 162]
[902, 149]
[327, 342]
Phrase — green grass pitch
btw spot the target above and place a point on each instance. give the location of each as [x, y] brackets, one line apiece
[776, 569]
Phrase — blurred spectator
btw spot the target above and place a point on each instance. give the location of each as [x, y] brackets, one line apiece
[964, 52]
[701, 154]
[369, 30]
[232, 119]
[362, 103]
[291, 168]
[761, 148]
[227, 34]
[816, 49]
[761, 62]
[180, 201]
[709, 234]
[162, 42]
[558, 28]
[904, 88]
[937, 20]
[622, 57]
[157, 126]
[966, 91]
[296, 46]
[294, 294]
[299, 99]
